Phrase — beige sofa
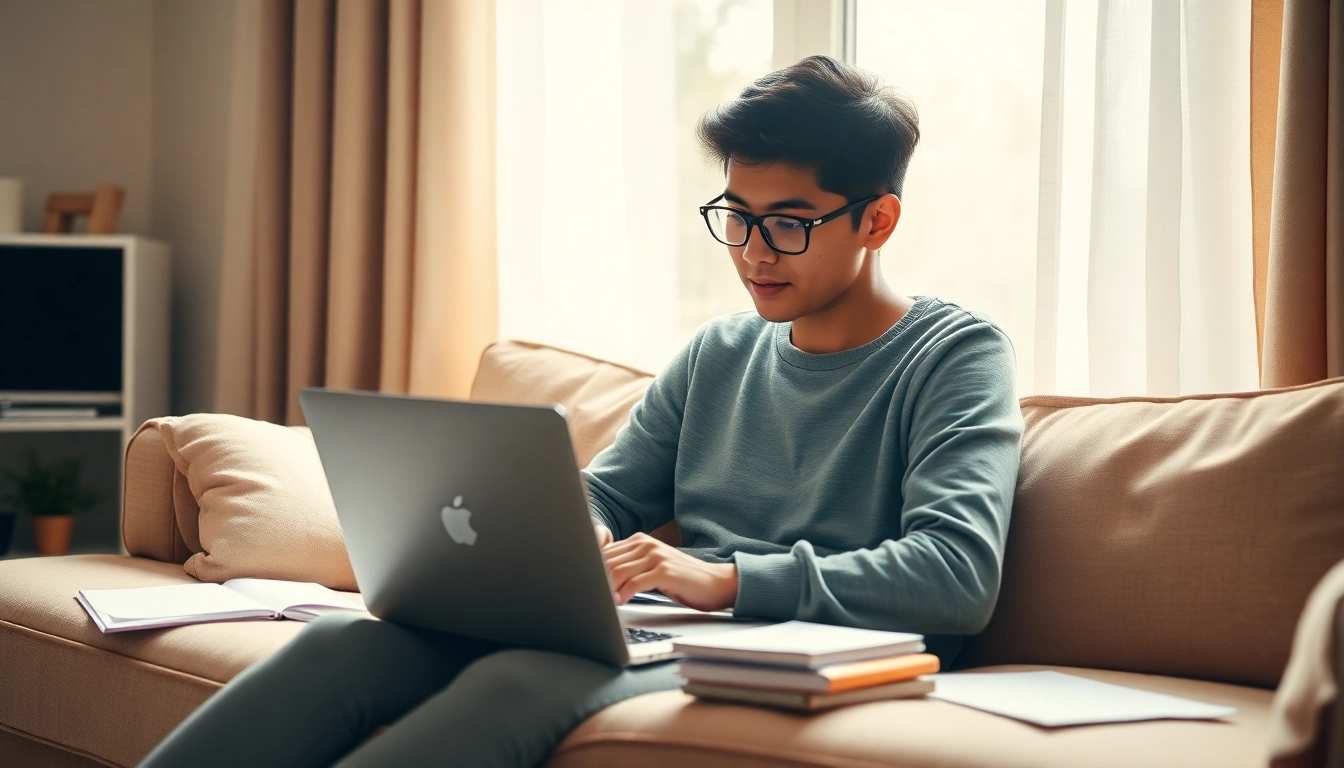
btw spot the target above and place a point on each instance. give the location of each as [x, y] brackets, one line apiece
[1167, 544]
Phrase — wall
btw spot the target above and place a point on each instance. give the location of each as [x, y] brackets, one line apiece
[75, 100]
[193, 57]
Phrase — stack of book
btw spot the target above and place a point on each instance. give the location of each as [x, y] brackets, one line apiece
[806, 667]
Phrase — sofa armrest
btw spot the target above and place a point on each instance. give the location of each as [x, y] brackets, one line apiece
[156, 501]
[1306, 728]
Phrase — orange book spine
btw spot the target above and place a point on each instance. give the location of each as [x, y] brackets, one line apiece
[862, 674]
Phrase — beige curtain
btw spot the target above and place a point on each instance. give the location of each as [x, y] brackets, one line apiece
[1297, 134]
[360, 246]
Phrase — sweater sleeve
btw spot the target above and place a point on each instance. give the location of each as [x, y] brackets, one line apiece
[630, 482]
[941, 576]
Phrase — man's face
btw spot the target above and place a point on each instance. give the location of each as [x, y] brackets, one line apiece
[787, 287]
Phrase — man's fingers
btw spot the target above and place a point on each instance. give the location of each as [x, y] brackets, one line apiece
[617, 559]
[623, 574]
[637, 542]
[640, 583]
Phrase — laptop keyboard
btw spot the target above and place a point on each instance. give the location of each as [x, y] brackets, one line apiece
[636, 636]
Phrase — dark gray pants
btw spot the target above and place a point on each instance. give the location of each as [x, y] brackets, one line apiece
[448, 700]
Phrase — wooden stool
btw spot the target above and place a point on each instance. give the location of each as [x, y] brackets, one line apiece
[101, 206]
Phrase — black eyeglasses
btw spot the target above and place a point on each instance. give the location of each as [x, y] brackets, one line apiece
[784, 234]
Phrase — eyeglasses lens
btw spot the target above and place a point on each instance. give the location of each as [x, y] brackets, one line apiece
[785, 234]
[728, 227]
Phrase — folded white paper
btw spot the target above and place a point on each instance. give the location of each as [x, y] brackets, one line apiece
[1056, 699]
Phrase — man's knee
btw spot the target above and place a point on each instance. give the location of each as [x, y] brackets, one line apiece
[522, 675]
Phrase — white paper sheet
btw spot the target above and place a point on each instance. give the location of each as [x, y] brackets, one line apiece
[1056, 699]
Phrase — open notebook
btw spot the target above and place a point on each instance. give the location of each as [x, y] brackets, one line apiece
[119, 610]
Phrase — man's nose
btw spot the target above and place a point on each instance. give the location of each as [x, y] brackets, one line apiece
[757, 250]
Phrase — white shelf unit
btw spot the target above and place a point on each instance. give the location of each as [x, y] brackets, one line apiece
[63, 425]
[146, 287]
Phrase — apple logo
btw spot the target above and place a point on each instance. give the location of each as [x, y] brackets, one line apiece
[457, 521]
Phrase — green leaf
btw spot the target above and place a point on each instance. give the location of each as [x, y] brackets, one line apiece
[47, 488]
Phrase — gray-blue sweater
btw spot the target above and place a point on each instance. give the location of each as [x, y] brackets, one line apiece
[870, 487]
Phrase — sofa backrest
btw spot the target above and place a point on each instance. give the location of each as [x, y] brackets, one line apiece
[597, 395]
[1176, 536]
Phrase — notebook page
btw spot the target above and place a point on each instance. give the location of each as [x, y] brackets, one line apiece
[172, 601]
[280, 595]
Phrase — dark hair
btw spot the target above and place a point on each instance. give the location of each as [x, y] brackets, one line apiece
[821, 114]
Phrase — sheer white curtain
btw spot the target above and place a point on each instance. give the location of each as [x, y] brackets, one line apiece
[1158, 298]
[1083, 178]
[601, 249]
[586, 176]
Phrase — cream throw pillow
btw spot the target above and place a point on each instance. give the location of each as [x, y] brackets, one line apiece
[265, 509]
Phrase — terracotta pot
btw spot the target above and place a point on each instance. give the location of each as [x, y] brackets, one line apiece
[53, 533]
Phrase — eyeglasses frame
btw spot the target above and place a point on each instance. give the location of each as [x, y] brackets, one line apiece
[755, 221]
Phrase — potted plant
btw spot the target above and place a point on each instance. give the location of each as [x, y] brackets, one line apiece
[52, 494]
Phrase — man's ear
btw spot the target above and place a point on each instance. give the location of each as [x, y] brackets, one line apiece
[881, 220]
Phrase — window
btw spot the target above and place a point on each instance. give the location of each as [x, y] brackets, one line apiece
[1080, 180]
[969, 208]
[601, 248]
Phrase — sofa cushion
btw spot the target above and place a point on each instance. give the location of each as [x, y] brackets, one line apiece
[1176, 536]
[597, 395]
[111, 696]
[264, 507]
[672, 728]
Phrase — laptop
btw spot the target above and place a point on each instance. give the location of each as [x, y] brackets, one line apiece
[471, 518]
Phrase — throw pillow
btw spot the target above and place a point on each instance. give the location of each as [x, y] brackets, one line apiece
[265, 509]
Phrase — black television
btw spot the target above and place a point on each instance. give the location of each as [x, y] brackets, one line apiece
[61, 334]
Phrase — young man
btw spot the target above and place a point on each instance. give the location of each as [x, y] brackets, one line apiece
[844, 454]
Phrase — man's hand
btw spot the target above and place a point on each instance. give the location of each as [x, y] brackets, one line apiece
[641, 563]
[604, 536]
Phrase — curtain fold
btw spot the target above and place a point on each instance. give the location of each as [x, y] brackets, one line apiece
[1266, 50]
[454, 305]
[361, 208]
[1302, 315]
[297, 286]
[1167, 306]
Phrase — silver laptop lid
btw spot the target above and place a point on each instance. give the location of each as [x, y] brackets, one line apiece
[467, 517]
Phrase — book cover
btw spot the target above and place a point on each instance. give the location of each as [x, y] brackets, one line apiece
[811, 702]
[800, 644]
